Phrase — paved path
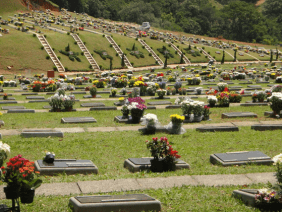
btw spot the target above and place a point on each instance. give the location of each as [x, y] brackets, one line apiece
[131, 184]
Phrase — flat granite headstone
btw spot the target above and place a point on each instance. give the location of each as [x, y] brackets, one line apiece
[41, 133]
[9, 98]
[268, 113]
[117, 96]
[248, 196]
[21, 111]
[8, 102]
[96, 104]
[254, 104]
[77, 120]
[47, 107]
[50, 93]
[140, 164]
[160, 98]
[89, 96]
[8, 94]
[29, 94]
[158, 130]
[217, 129]
[104, 92]
[103, 108]
[12, 107]
[172, 106]
[79, 92]
[240, 158]
[35, 97]
[264, 127]
[239, 115]
[39, 100]
[68, 166]
[160, 103]
[109, 203]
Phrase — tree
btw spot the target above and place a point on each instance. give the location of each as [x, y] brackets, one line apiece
[122, 61]
[133, 47]
[189, 47]
[271, 56]
[277, 54]
[235, 55]
[223, 56]
[67, 49]
[165, 63]
[111, 64]
[181, 58]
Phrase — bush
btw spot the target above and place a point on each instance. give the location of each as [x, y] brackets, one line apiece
[75, 42]
[175, 52]
[164, 41]
[90, 66]
[100, 66]
[82, 53]
[119, 46]
[77, 33]
[209, 52]
[136, 38]
[132, 63]
[78, 59]
[206, 56]
[68, 33]
[203, 47]
[111, 45]
[92, 54]
[143, 47]
[177, 46]
[53, 49]
[42, 47]
[55, 68]
[84, 43]
[103, 35]
[66, 69]
[71, 58]
[34, 35]
[59, 58]
[47, 57]
[195, 47]
[150, 54]
[169, 45]
[116, 54]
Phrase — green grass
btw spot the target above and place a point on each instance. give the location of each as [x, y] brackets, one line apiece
[197, 59]
[245, 57]
[218, 57]
[22, 51]
[126, 42]
[10, 6]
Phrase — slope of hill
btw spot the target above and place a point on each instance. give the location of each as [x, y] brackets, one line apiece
[10, 6]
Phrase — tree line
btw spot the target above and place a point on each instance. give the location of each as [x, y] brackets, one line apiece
[236, 20]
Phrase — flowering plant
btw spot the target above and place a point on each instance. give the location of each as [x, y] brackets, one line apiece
[4, 151]
[5, 96]
[198, 108]
[212, 100]
[56, 101]
[161, 92]
[114, 91]
[186, 107]
[206, 111]
[150, 119]
[121, 99]
[93, 90]
[68, 101]
[175, 118]
[162, 149]
[223, 98]
[233, 97]
[221, 86]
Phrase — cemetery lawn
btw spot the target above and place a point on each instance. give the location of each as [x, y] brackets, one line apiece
[127, 43]
[218, 57]
[22, 51]
[185, 198]
[197, 59]
[108, 150]
[245, 57]
[98, 42]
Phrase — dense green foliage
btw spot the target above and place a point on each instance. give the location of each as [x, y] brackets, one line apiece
[237, 20]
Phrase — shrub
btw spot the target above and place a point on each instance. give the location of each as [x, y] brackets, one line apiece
[119, 45]
[42, 47]
[82, 53]
[195, 47]
[136, 38]
[169, 45]
[177, 46]
[203, 47]
[201, 51]
[68, 33]
[100, 66]
[103, 35]
[206, 56]
[175, 52]
[45, 36]
[164, 41]
[150, 54]
[47, 57]
[66, 69]
[111, 45]
[209, 52]
[132, 63]
[143, 47]
[77, 33]
[59, 58]
[78, 59]
[53, 49]
[71, 57]
[116, 54]
[90, 66]
[84, 43]
[34, 35]
[151, 47]
[55, 68]
[75, 42]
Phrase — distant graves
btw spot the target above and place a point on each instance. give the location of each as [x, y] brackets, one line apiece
[21, 111]
[41, 133]
[240, 158]
[103, 108]
[89, 96]
[68, 166]
[78, 120]
[12, 107]
[140, 164]
[160, 103]
[109, 203]
[8, 102]
[96, 104]
[9, 98]
[217, 129]
[35, 97]
[264, 127]
[239, 115]
[247, 104]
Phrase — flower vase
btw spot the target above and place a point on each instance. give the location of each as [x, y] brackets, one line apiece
[113, 94]
[150, 130]
[206, 118]
[12, 192]
[212, 104]
[169, 166]
[187, 117]
[161, 96]
[94, 96]
[260, 100]
[49, 158]
[68, 109]
[157, 165]
[135, 119]
[27, 196]
[197, 118]
[176, 128]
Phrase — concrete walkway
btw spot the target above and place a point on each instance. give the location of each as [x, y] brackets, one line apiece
[132, 184]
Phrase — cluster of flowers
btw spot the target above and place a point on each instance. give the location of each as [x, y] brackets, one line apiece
[4, 151]
[175, 118]
[57, 101]
[150, 119]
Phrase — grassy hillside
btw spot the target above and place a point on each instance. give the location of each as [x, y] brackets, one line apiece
[7, 6]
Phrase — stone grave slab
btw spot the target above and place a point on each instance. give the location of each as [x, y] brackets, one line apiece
[69, 166]
[41, 133]
[89, 96]
[121, 119]
[103, 108]
[140, 164]
[96, 104]
[239, 115]
[104, 92]
[19, 91]
[79, 87]
[35, 97]
[254, 86]
[262, 82]
[50, 93]
[12, 107]
[247, 104]
[29, 94]
[47, 107]
[21, 111]
[160, 103]
[118, 103]
[252, 89]
[151, 107]
[264, 127]
[109, 203]
[39, 100]
[2, 123]
[247, 196]
[8, 94]
[117, 96]
[245, 83]
[158, 129]
[8, 102]
[246, 95]
[217, 129]
[9, 98]
[160, 98]
[234, 89]
[268, 113]
[172, 106]
[240, 158]
[79, 92]
[77, 120]
[209, 83]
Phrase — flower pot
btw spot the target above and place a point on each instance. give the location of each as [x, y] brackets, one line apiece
[12, 192]
[49, 158]
[169, 166]
[161, 96]
[157, 165]
[150, 130]
[197, 118]
[199, 92]
[68, 109]
[176, 128]
[94, 96]
[211, 104]
[206, 118]
[27, 196]
[260, 100]
[135, 119]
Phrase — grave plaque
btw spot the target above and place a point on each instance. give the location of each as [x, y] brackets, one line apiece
[8, 94]
[139, 164]
[12, 107]
[247, 196]
[8, 102]
[21, 111]
[173, 107]
[247, 104]
[47, 107]
[240, 158]
[9, 98]
[103, 108]
[29, 94]
[109, 203]
[160, 98]
[104, 92]
[89, 96]
[77, 120]
[35, 97]
[239, 115]
[69, 166]
[117, 96]
[39, 100]
[264, 127]
[79, 92]
[217, 129]
[41, 133]
[160, 103]
[98, 104]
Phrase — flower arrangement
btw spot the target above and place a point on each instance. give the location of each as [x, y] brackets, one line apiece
[212, 100]
[168, 90]
[160, 148]
[136, 108]
[177, 85]
[5, 96]
[211, 92]
[113, 91]
[4, 151]
[223, 98]
[150, 119]
[233, 97]
[68, 102]
[198, 108]
[276, 102]
[175, 118]
[222, 86]
[99, 83]
[93, 91]
[206, 112]
[121, 99]
[56, 102]
[261, 96]
[171, 79]
[186, 107]
[161, 92]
